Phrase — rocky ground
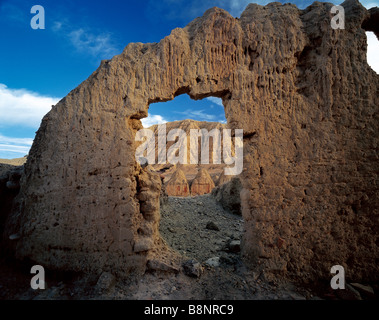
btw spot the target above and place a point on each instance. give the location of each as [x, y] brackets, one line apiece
[199, 228]
[201, 231]
[205, 234]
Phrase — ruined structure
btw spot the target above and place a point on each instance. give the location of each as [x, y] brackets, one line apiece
[178, 185]
[308, 104]
[202, 183]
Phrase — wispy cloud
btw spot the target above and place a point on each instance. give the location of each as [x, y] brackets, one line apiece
[12, 149]
[152, 119]
[201, 115]
[215, 100]
[57, 25]
[11, 11]
[15, 146]
[197, 115]
[19, 141]
[86, 40]
[94, 44]
[23, 107]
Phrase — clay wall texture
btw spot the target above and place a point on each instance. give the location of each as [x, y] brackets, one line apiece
[308, 104]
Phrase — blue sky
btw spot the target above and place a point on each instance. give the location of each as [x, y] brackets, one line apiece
[39, 67]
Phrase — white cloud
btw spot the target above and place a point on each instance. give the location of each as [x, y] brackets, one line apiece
[373, 51]
[18, 146]
[22, 150]
[10, 140]
[23, 107]
[215, 100]
[86, 40]
[152, 119]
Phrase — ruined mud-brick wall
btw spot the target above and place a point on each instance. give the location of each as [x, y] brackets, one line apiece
[307, 102]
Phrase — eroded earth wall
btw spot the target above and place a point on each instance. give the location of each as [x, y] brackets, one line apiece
[308, 104]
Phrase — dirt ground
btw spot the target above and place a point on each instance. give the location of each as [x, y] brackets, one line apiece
[199, 229]
[184, 226]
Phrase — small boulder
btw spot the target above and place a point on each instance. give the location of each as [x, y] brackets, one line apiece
[192, 268]
[234, 246]
[212, 226]
[105, 283]
[213, 262]
[156, 265]
[228, 260]
[143, 244]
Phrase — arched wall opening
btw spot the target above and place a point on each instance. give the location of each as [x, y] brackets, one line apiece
[200, 208]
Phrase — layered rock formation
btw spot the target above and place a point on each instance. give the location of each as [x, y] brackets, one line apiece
[307, 101]
[178, 185]
[188, 125]
[202, 183]
[190, 171]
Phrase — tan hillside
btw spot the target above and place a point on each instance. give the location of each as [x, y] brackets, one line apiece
[14, 162]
